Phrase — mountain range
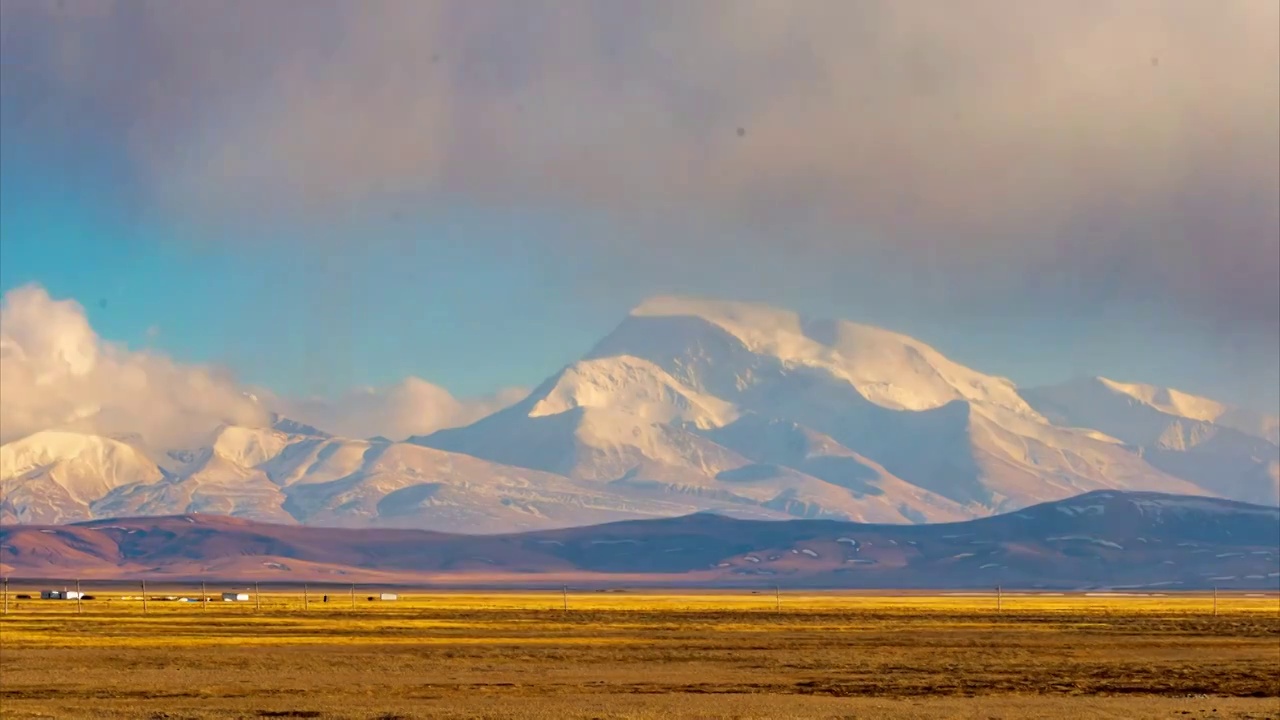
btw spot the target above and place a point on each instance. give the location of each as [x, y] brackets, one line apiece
[687, 406]
[1100, 539]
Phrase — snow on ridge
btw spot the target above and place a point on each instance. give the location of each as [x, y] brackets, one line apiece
[1169, 400]
[1083, 538]
[50, 446]
[644, 401]
[635, 386]
[1191, 503]
[1147, 414]
[1067, 509]
[249, 447]
[889, 369]
[1195, 407]
[85, 466]
[1155, 503]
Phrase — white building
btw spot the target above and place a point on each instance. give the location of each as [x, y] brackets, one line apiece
[235, 597]
[60, 595]
[388, 596]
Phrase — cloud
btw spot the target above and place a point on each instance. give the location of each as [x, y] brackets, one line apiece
[410, 407]
[1066, 154]
[56, 372]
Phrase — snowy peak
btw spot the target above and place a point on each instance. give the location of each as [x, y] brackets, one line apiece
[1167, 400]
[248, 447]
[55, 475]
[900, 372]
[113, 461]
[633, 386]
[1194, 407]
[691, 405]
[1224, 450]
[761, 328]
[776, 400]
[887, 368]
[1146, 414]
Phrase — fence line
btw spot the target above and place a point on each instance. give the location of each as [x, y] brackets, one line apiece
[284, 598]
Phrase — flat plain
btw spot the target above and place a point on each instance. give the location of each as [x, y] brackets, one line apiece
[715, 654]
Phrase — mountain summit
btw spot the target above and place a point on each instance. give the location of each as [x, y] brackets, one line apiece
[692, 405]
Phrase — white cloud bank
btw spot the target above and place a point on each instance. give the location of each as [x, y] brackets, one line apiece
[56, 372]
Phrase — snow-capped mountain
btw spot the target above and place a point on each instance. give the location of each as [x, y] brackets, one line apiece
[1147, 415]
[689, 405]
[1227, 451]
[266, 474]
[955, 439]
[53, 477]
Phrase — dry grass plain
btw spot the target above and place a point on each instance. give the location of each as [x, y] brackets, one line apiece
[643, 655]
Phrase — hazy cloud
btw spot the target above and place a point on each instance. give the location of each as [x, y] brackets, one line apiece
[56, 372]
[410, 407]
[1065, 153]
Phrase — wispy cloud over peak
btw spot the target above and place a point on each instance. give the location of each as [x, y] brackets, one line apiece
[410, 407]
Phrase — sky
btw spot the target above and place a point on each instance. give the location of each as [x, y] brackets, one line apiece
[409, 209]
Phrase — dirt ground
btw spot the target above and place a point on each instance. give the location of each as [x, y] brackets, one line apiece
[642, 657]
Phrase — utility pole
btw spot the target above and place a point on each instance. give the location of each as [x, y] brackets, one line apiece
[257, 603]
[999, 598]
[1215, 601]
[144, 597]
[79, 608]
[204, 597]
[305, 600]
[565, 590]
[6, 596]
[353, 596]
[777, 599]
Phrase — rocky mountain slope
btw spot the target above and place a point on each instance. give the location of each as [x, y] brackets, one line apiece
[687, 406]
[1110, 539]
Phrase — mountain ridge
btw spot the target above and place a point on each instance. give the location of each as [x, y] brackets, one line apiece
[1104, 538]
[694, 405]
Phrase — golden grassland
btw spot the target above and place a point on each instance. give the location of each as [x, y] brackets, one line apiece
[642, 655]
